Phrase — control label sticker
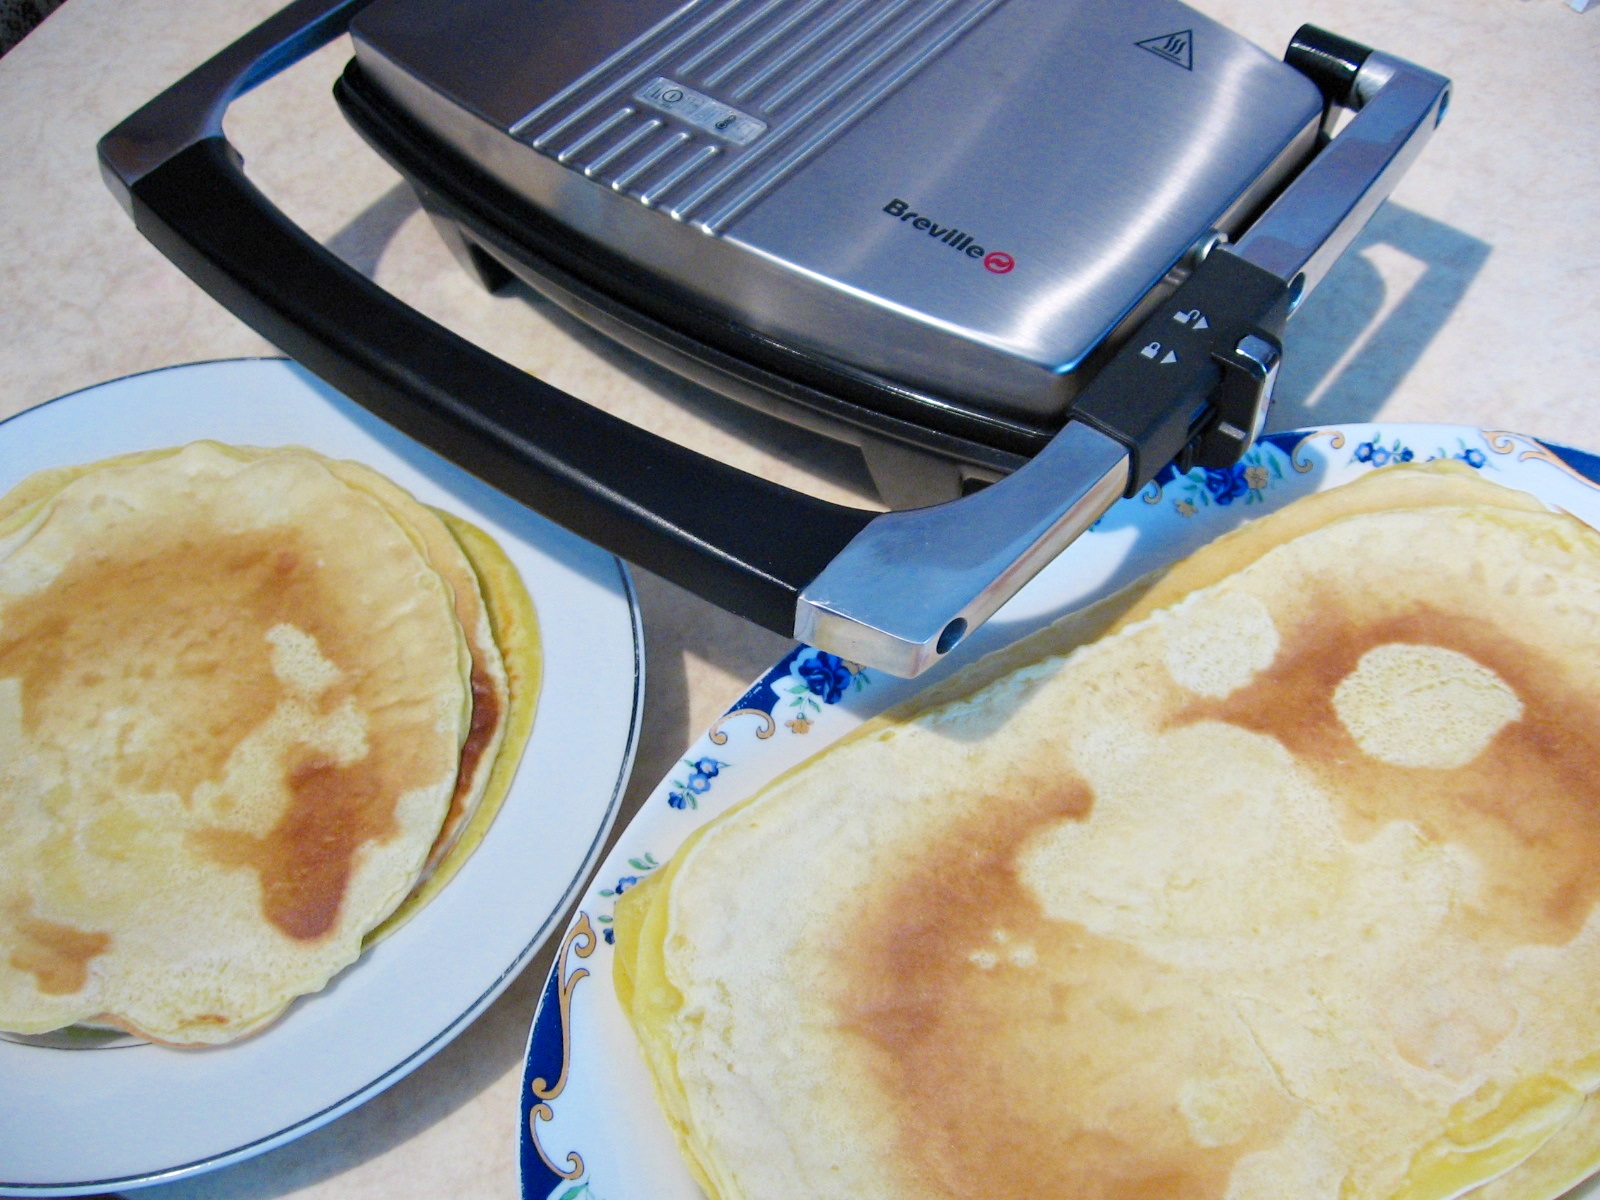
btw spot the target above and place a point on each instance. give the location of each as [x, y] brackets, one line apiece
[701, 111]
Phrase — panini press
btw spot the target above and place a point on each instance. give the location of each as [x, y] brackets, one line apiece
[1024, 253]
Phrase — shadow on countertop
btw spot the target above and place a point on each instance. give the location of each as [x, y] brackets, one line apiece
[1351, 345]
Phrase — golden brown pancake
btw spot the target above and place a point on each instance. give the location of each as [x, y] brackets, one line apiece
[247, 701]
[438, 540]
[514, 625]
[1284, 890]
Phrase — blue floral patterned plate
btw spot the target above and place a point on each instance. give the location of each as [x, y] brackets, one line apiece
[590, 1126]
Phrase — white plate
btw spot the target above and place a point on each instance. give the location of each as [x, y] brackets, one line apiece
[76, 1121]
[590, 1125]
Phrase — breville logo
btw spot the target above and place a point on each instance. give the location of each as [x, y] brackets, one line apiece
[996, 261]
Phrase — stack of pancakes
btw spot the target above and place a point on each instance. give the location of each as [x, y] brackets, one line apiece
[1282, 889]
[255, 707]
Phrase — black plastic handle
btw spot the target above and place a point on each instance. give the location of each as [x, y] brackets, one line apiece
[744, 543]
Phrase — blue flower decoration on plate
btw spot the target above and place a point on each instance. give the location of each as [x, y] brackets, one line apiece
[1218, 487]
[803, 682]
[685, 792]
[826, 676]
[1375, 453]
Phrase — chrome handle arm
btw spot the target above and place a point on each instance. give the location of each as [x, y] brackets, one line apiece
[905, 591]
[1397, 106]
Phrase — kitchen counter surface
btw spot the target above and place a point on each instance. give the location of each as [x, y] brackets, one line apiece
[1473, 297]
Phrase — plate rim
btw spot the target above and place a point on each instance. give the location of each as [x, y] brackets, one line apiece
[620, 578]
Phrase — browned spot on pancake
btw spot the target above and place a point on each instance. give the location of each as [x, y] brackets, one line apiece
[936, 924]
[56, 955]
[1528, 806]
[177, 637]
[110, 633]
[305, 862]
[985, 1067]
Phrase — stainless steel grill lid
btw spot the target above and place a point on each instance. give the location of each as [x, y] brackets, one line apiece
[1056, 240]
[965, 195]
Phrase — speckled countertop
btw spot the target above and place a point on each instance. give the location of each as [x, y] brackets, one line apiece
[1473, 297]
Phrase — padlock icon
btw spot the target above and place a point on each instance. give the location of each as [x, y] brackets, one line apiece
[1150, 351]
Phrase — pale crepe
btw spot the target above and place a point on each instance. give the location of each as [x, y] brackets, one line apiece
[233, 697]
[443, 540]
[1440, 483]
[1282, 892]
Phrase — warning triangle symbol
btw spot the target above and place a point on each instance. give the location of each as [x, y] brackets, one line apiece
[1176, 47]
